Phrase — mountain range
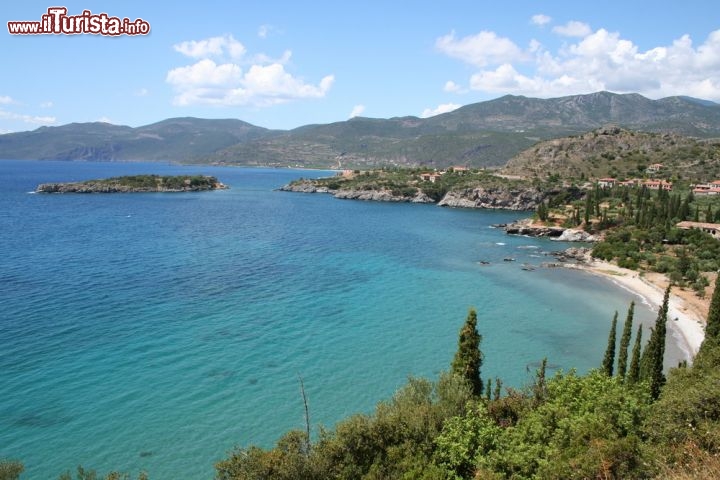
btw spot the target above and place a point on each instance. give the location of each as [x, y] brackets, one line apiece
[479, 135]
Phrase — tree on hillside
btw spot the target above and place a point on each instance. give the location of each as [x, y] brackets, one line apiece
[625, 342]
[609, 360]
[712, 327]
[651, 363]
[633, 375]
[468, 358]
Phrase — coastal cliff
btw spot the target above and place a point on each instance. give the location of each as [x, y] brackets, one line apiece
[137, 184]
[501, 197]
[505, 197]
[376, 195]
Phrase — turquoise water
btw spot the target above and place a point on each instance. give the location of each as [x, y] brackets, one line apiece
[157, 331]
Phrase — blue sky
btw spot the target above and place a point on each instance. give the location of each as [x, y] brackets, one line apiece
[286, 64]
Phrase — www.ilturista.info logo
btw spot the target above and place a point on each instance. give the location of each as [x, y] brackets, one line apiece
[57, 22]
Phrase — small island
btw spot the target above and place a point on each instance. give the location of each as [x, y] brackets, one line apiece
[137, 184]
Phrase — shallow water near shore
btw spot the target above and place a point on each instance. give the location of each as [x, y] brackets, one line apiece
[157, 331]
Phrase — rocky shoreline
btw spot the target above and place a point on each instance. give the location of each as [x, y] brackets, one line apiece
[561, 234]
[498, 198]
[308, 186]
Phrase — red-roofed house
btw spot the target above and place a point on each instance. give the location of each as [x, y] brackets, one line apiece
[711, 228]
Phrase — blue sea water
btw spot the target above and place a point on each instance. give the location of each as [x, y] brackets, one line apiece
[157, 331]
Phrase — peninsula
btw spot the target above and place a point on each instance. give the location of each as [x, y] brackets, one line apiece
[137, 184]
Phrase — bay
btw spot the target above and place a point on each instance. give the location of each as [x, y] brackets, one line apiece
[157, 331]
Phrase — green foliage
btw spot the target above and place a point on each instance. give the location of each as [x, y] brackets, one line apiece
[633, 375]
[649, 239]
[397, 441]
[288, 460]
[609, 360]
[10, 469]
[588, 427]
[83, 474]
[468, 358]
[463, 439]
[542, 211]
[155, 182]
[712, 330]
[625, 342]
[687, 414]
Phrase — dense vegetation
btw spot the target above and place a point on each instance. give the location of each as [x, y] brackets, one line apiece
[640, 231]
[407, 182]
[171, 182]
[568, 426]
[136, 183]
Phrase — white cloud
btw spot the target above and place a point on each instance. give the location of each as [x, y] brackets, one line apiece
[257, 80]
[141, 92]
[32, 119]
[540, 19]
[453, 87]
[104, 119]
[208, 83]
[212, 47]
[266, 30]
[573, 29]
[46, 105]
[262, 58]
[600, 60]
[357, 111]
[205, 73]
[4, 99]
[443, 108]
[482, 49]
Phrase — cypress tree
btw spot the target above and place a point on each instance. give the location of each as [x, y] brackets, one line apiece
[656, 349]
[588, 208]
[468, 358]
[498, 388]
[712, 327]
[540, 385]
[645, 362]
[609, 360]
[625, 342]
[633, 375]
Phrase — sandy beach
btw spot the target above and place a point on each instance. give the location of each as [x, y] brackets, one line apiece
[687, 312]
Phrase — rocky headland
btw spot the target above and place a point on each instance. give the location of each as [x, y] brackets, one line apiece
[379, 195]
[500, 197]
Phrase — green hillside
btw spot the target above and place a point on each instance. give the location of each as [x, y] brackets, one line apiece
[477, 135]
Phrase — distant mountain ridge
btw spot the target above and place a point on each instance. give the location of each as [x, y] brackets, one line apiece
[480, 134]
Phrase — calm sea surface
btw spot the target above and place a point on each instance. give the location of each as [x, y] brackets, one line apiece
[157, 331]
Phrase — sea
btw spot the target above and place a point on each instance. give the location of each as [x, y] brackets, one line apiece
[158, 331]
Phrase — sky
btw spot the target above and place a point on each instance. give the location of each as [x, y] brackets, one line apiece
[281, 65]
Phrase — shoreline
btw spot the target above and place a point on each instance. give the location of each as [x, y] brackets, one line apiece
[685, 317]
